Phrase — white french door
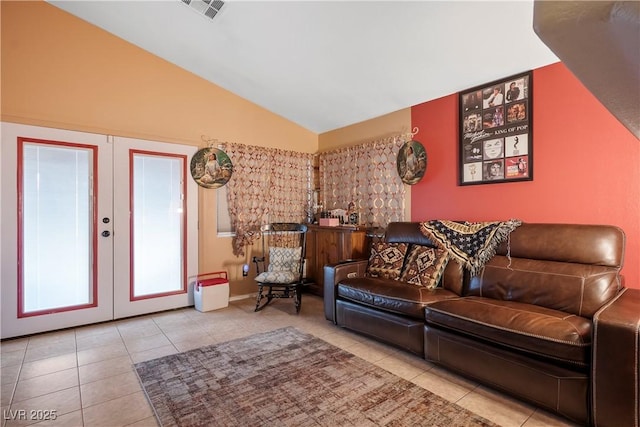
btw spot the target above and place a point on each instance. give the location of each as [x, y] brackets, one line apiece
[155, 207]
[57, 270]
[92, 228]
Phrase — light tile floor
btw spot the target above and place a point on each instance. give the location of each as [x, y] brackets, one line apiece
[85, 375]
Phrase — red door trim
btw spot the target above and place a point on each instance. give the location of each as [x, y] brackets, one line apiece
[94, 227]
[132, 153]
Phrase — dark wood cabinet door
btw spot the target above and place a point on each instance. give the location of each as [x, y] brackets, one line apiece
[329, 245]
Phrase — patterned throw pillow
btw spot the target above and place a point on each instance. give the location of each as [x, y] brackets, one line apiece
[386, 259]
[424, 266]
[283, 277]
[284, 259]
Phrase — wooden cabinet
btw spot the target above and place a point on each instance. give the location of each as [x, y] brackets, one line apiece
[328, 245]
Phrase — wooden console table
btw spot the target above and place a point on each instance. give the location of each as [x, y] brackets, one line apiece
[328, 245]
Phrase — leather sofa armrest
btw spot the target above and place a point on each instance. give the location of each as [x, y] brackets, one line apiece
[333, 274]
[616, 361]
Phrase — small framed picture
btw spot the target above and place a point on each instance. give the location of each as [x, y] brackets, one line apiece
[496, 140]
[412, 162]
[211, 167]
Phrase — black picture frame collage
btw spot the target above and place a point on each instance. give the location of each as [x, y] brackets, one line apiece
[496, 143]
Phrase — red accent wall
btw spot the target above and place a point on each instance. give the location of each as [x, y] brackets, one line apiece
[586, 166]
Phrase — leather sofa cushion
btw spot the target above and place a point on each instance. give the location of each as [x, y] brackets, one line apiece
[576, 243]
[391, 295]
[532, 329]
[573, 288]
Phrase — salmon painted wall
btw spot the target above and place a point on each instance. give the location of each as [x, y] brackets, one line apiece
[586, 166]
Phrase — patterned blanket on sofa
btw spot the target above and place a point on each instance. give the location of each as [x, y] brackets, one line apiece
[472, 244]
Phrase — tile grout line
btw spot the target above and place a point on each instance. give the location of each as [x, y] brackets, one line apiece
[15, 384]
[75, 332]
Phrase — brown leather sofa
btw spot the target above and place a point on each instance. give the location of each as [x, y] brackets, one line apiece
[547, 320]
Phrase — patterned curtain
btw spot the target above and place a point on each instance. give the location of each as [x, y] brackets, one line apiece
[290, 186]
[366, 175]
[267, 185]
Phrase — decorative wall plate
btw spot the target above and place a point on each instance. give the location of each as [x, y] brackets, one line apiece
[211, 167]
[412, 162]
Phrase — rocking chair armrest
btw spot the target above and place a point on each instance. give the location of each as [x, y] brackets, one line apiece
[258, 261]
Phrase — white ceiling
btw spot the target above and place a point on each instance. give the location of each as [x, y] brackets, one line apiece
[330, 64]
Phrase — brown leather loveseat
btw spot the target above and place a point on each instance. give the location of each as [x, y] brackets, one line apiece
[547, 320]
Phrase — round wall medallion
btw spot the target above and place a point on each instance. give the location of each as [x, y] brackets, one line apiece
[211, 167]
[412, 162]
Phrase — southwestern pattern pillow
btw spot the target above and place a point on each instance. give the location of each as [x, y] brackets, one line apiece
[424, 266]
[386, 259]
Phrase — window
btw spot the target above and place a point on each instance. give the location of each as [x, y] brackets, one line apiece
[225, 229]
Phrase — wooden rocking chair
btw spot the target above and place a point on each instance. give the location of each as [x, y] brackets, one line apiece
[281, 264]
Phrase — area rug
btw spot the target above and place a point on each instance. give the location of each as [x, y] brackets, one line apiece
[288, 378]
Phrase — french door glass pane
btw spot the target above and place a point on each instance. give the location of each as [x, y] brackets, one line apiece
[157, 225]
[57, 241]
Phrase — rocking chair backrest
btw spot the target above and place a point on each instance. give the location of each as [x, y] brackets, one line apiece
[284, 235]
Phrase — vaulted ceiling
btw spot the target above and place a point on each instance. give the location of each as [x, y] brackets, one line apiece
[329, 64]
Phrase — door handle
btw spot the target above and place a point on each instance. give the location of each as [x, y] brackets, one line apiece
[106, 233]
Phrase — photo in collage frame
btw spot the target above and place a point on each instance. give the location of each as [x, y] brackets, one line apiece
[496, 131]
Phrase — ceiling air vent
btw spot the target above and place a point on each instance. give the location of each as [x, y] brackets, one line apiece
[208, 8]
